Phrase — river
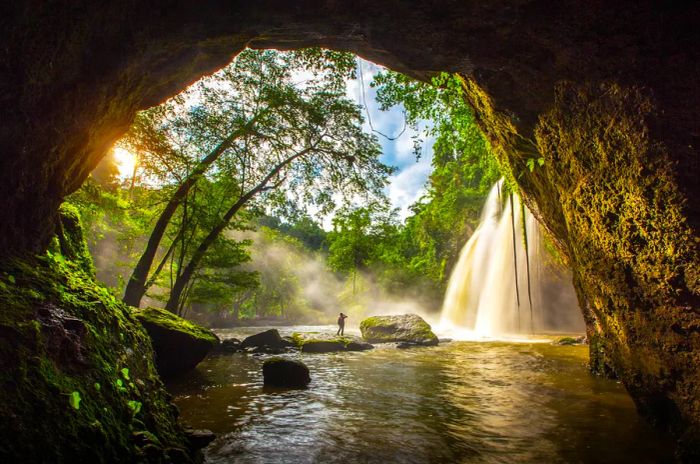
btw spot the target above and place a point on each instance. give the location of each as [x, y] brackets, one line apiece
[459, 402]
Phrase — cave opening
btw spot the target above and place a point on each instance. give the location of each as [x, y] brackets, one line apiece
[605, 93]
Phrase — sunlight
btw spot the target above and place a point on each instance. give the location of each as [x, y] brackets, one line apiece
[126, 161]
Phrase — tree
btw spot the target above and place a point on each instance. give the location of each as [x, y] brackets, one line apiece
[268, 140]
[359, 236]
[249, 120]
[464, 169]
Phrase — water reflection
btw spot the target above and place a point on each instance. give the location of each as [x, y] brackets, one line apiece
[459, 402]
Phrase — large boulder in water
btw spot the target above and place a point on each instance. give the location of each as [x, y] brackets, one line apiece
[403, 328]
[179, 344]
[281, 372]
[269, 338]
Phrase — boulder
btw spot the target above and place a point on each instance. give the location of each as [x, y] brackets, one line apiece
[409, 328]
[199, 438]
[281, 372]
[316, 342]
[178, 343]
[269, 338]
[230, 345]
[322, 346]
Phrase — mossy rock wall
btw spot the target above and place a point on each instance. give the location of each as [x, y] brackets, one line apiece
[608, 194]
[78, 382]
[634, 253]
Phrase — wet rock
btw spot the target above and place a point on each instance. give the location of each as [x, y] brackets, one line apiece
[316, 342]
[199, 438]
[406, 345]
[322, 346]
[281, 372]
[64, 335]
[409, 328]
[230, 345]
[179, 344]
[581, 340]
[268, 350]
[358, 346]
[270, 338]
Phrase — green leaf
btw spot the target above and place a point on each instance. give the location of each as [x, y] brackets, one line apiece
[11, 278]
[97, 386]
[74, 400]
[531, 164]
[125, 373]
[135, 406]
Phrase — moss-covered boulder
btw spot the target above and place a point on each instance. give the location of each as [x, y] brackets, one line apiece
[78, 381]
[403, 328]
[179, 344]
[316, 342]
[282, 372]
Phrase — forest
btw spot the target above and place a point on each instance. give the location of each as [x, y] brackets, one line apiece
[210, 202]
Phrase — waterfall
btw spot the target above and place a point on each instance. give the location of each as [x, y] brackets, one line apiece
[483, 295]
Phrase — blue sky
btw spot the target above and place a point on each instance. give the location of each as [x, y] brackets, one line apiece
[408, 183]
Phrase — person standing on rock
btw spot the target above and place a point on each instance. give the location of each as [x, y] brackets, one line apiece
[341, 324]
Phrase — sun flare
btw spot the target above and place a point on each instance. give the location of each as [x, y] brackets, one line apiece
[125, 161]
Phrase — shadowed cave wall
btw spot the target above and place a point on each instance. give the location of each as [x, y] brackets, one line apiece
[604, 91]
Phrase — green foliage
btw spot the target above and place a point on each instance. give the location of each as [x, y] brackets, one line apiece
[135, 406]
[169, 320]
[74, 400]
[420, 253]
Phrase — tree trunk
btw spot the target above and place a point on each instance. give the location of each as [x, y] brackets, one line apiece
[136, 286]
[188, 272]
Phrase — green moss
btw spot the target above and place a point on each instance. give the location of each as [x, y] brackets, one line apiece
[61, 334]
[171, 321]
[70, 239]
[307, 338]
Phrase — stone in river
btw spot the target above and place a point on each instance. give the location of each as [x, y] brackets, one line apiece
[282, 372]
[270, 338]
[409, 328]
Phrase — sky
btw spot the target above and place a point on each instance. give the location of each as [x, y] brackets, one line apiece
[408, 182]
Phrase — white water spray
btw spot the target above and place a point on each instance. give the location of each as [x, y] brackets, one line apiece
[483, 297]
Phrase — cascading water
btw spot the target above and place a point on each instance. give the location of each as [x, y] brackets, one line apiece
[489, 296]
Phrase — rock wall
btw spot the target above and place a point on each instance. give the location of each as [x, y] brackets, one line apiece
[78, 380]
[605, 91]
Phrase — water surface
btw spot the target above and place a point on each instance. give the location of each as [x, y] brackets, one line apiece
[460, 402]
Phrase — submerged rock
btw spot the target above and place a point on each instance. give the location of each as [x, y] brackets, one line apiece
[179, 344]
[199, 438]
[269, 338]
[229, 345]
[281, 372]
[409, 328]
